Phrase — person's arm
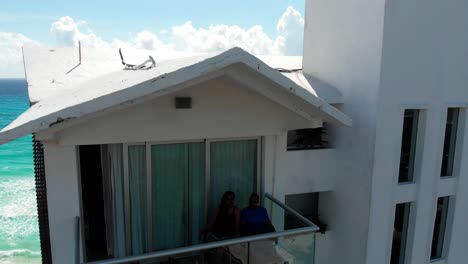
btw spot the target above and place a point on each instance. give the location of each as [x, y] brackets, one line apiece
[237, 215]
[268, 225]
[210, 225]
[243, 223]
[213, 220]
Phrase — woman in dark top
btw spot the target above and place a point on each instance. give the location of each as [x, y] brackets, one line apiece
[225, 223]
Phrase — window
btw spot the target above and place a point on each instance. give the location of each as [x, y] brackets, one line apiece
[408, 145]
[449, 142]
[310, 138]
[440, 227]
[400, 233]
[170, 194]
[145, 197]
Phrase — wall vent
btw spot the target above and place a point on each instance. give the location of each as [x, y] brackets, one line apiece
[183, 102]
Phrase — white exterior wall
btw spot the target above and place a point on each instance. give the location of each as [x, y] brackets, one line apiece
[310, 171]
[424, 62]
[342, 47]
[220, 110]
[62, 199]
[416, 58]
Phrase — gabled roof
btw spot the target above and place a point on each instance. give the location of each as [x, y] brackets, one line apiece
[291, 67]
[47, 69]
[127, 87]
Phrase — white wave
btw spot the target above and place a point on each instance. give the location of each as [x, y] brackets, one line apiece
[17, 197]
[19, 252]
[20, 256]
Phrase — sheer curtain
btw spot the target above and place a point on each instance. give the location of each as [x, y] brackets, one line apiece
[108, 200]
[116, 170]
[137, 185]
[178, 190]
[112, 168]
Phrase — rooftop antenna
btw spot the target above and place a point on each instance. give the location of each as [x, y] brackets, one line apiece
[79, 56]
[146, 65]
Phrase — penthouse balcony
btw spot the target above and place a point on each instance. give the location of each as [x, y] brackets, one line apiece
[292, 242]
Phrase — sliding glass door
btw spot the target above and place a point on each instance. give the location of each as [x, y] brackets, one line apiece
[233, 167]
[178, 194]
[168, 173]
[168, 199]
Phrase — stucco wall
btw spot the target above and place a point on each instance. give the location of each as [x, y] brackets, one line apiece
[310, 171]
[424, 66]
[63, 199]
[342, 47]
[220, 108]
[387, 56]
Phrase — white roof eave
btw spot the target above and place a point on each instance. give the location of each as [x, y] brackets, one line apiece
[123, 86]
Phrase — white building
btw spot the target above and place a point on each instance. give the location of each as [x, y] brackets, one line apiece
[391, 186]
[388, 57]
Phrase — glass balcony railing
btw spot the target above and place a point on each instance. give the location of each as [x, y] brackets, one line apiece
[292, 242]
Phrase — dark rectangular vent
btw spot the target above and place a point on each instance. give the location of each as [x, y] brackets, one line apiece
[183, 102]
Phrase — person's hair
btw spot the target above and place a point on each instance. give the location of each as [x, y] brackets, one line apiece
[222, 205]
[254, 195]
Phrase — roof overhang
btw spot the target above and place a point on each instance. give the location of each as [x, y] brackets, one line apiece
[124, 88]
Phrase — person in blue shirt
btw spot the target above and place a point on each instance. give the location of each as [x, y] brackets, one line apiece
[255, 219]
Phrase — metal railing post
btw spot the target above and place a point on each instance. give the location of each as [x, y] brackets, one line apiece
[206, 246]
[289, 210]
[77, 240]
[248, 252]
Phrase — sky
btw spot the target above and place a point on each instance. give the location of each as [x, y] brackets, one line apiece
[262, 27]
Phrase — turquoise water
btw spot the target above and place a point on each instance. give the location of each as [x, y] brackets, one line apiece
[19, 237]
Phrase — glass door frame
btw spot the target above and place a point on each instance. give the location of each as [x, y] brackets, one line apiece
[259, 179]
[149, 195]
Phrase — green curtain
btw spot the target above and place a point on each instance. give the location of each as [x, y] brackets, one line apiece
[178, 187]
[233, 166]
[168, 163]
[137, 185]
[115, 155]
[196, 179]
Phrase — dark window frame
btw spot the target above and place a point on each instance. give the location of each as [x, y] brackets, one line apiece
[401, 227]
[409, 145]
[441, 227]
[450, 142]
[307, 139]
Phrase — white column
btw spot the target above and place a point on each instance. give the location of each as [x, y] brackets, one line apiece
[63, 199]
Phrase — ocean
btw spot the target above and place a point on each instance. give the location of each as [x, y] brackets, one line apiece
[19, 235]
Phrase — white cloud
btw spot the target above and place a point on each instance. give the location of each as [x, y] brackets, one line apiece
[150, 41]
[188, 38]
[67, 33]
[291, 27]
[290, 30]
[221, 37]
[11, 59]
[172, 42]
